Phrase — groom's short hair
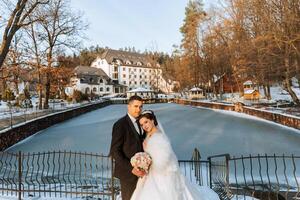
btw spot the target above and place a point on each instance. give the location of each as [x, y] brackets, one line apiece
[135, 98]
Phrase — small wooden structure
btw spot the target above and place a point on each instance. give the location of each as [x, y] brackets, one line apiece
[195, 93]
[250, 93]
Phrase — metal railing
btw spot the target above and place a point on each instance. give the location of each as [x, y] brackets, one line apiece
[87, 175]
[56, 174]
[196, 170]
[259, 176]
[73, 174]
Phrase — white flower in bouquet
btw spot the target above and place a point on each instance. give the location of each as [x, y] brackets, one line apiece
[142, 161]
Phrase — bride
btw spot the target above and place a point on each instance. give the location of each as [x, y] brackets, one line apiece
[164, 180]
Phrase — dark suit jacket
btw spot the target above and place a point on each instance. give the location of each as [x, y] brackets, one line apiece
[124, 144]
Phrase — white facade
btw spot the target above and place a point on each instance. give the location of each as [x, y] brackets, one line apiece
[90, 80]
[100, 89]
[147, 77]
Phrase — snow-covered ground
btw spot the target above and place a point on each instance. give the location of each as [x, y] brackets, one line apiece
[279, 96]
[38, 198]
[6, 112]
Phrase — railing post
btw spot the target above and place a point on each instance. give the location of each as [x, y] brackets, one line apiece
[227, 157]
[112, 179]
[210, 176]
[20, 175]
[227, 169]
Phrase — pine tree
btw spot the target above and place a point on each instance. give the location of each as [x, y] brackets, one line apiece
[194, 14]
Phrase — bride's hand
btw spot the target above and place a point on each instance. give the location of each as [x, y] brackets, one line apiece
[138, 172]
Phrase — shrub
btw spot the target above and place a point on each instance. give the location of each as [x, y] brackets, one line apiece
[9, 95]
[78, 96]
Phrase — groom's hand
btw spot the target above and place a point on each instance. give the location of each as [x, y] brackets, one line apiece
[138, 172]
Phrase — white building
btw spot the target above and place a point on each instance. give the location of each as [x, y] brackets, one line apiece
[90, 80]
[133, 70]
[144, 93]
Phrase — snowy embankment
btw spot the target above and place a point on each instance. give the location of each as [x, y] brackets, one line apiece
[279, 103]
[246, 116]
[6, 112]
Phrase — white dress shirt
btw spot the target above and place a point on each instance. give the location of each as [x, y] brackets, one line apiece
[134, 121]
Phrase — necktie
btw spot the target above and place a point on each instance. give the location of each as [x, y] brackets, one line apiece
[139, 128]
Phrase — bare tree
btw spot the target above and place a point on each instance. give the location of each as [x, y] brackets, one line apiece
[61, 28]
[36, 56]
[18, 18]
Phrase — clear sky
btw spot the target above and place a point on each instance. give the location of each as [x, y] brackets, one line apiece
[144, 24]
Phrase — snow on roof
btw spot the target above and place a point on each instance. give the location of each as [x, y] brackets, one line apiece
[248, 83]
[139, 89]
[195, 89]
[249, 91]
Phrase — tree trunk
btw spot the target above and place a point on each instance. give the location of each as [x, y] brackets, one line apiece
[269, 97]
[47, 90]
[288, 88]
[40, 98]
[265, 91]
[4, 49]
[48, 81]
[287, 83]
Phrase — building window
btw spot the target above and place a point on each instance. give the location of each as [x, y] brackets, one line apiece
[124, 69]
[107, 89]
[124, 75]
[145, 76]
[101, 89]
[101, 80]
[140, 76]
[141, 82]
[135, 82]
[146, 83]
[94, 89]
[129, 82]
[124, 82]
[134, 76]
[129, 76]
[116, 68]
[134, 70]
[140, 70]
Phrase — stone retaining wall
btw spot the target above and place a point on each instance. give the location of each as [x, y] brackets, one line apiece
[286, 120]
[20, 132]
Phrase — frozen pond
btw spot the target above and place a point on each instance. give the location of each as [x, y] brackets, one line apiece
[212, 132]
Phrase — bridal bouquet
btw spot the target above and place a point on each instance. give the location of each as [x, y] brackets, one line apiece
[142, 161]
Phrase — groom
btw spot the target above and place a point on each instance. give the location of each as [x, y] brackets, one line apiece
[127, 139]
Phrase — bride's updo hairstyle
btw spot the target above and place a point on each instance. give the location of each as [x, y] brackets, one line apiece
[149, 114]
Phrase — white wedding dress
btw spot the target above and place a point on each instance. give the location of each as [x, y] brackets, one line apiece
[164, 180]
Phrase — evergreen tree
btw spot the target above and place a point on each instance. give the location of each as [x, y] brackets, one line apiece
[194, 14]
